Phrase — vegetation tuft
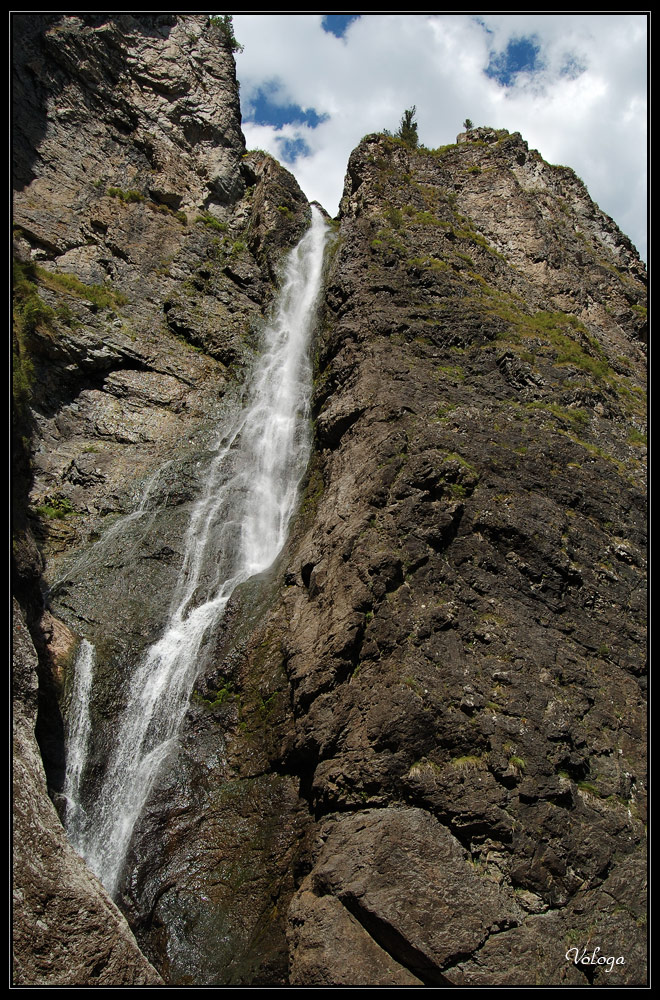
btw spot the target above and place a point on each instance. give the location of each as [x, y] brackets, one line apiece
[210, 221]
[125, 196]
[224, 24]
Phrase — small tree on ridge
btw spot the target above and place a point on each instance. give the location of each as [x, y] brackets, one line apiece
[407, 130]
[224, 24]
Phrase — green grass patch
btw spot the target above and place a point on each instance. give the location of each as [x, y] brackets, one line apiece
[465, 232]
[467, 762]
[210, 221]
[565, 334]
[426, 218]
[163, 209]
[55, 508]
[576, 417]
[69, 284]
[34, 318]
[217, 698]
[387, 241]
[454, 372]
[434, 263]
[445, 409]
[637, 438]
[455, 457]
[441, 151]
[588, 786]
[132, 195]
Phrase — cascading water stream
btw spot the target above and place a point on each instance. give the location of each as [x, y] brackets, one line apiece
[78, 736]
[236, 530]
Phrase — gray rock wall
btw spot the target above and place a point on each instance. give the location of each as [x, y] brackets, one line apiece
[147, 247]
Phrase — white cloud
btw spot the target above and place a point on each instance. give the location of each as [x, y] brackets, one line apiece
[591, 117]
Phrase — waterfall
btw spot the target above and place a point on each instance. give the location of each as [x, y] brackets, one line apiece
[237, 529]
[78, 733]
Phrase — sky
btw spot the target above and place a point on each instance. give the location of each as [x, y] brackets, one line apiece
[574, 86]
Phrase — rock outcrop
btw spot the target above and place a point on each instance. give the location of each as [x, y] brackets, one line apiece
[463, 626]
[417, 757]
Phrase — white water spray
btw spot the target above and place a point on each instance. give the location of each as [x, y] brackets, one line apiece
[77, 742]
[237, 529]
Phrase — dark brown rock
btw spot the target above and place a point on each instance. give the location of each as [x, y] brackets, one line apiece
[397, 872]
[457, 637]
[331, 948]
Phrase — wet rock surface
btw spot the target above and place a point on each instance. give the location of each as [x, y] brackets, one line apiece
[66, 929]
[415, 755]
[147, 247]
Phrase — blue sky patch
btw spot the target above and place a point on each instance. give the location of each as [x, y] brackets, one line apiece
[262, 110]
[291, 149]
[336, 24]
[520, 56]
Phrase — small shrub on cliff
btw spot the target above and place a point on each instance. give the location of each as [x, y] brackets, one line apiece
[224, 24]
[394, 216]
[163, 209]
[30, 310]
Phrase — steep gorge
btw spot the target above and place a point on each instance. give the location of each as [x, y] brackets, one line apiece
[417, 753]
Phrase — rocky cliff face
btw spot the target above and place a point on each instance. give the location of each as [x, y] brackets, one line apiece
[417, 755]
[146, 245]
[466, 617]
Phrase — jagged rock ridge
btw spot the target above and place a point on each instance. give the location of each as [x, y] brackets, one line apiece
[439, 693]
